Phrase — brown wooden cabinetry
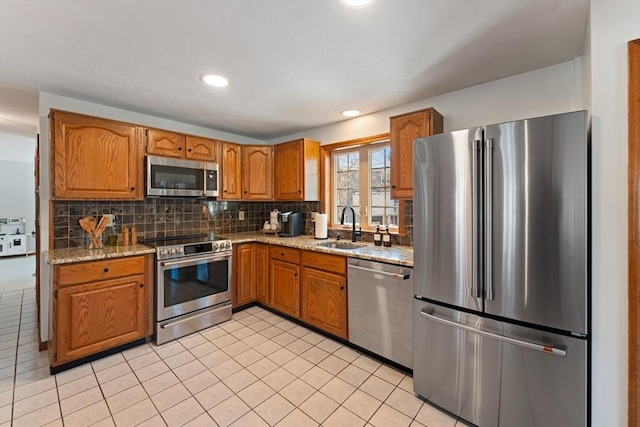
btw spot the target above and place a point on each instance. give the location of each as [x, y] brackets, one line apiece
[172, 144]
[244, 264]
[324, 292]
[296, 170]
[95, 158]
[284, 280]
[201, 149]
[98, 305]
[262, 272]
[231, 165]
[257, 172]
[403, 130]
[165, 143]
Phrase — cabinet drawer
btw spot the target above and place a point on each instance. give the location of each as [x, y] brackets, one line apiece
[284, 254]
[332, 263]
[91, 271]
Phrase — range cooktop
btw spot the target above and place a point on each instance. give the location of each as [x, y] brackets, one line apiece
[182, 246]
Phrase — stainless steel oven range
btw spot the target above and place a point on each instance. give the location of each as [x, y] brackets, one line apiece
[193, 284]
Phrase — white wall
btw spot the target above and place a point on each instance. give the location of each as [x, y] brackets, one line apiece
[550, 90]
[613, 24]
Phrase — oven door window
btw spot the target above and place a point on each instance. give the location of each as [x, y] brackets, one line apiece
[204, 279]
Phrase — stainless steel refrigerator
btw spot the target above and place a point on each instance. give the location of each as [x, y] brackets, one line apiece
[501, 318]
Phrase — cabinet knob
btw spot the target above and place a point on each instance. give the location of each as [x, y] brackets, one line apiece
[133, 189]
[142, 285]
[299, 191]
[393, 186]
[281, 253]
[295, 274]
[189, 150]
[106, 270]
[224, 191]
[342, 288]
[179, 148]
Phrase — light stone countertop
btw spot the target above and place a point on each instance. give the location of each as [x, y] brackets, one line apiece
[399, 255]
[70, 255]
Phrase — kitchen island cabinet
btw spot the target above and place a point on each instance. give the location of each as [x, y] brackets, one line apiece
[403, 130]
[95, 158]
[99, 305]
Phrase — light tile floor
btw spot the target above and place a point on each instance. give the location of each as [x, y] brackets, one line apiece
[257, 369]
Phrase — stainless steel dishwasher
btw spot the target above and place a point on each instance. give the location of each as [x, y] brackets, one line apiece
[381, 309]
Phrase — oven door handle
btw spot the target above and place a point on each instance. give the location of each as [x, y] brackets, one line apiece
[193, 261]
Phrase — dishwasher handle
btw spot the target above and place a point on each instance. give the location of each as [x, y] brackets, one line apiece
[396, 276]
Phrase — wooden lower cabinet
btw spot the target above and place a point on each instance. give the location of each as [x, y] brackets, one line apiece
[324, 301]
[108, 309]
[284, 287]
[262, 272]
[244, 266]
[324, 293]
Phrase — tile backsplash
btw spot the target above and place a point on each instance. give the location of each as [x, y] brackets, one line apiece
[170, 217]
[159, 217]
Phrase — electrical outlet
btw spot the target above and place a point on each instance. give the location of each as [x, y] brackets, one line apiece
[110, 218]
[313, 216]
[240, 215]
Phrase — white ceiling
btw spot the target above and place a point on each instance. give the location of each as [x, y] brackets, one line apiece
[292, 64]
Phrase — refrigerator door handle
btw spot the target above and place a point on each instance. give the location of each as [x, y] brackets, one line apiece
[530, 345]
[488, 217]
[476, 203]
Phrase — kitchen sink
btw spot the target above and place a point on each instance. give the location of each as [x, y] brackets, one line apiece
[341, 245]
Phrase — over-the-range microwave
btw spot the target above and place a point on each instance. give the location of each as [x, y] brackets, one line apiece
[180, 178]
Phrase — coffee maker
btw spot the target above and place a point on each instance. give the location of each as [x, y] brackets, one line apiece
[291, 224]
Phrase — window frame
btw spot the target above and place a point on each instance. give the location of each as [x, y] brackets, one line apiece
[327, 186]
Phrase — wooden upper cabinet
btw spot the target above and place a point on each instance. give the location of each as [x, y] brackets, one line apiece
[95, 158]
[231, 165]
[403, 130]
[165, 143]
[296, 166]
[172, 144]
[257, 172]
[201, 149]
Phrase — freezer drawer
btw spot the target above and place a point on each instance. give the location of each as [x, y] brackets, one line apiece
[380, 309]
[456, 369]
[498, 374]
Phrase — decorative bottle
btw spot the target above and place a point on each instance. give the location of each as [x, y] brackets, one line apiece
[386, 238]
[377, 237]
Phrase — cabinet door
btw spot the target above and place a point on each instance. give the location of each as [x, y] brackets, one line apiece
[201, 149]
[243, 263]
[324, 301]
[404, 129]
[257, 172]
[97, 316]
[289, 173]
[284, 287]
[231, 171]
[95, 158]
[261, 253]
[165, 143]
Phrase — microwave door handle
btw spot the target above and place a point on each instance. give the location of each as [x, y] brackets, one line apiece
[204, 181]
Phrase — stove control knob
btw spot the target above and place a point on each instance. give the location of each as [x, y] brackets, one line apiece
[163, 252]
[216, 247]
[227, 245]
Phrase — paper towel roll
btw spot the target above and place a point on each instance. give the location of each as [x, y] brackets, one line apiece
[321, 226]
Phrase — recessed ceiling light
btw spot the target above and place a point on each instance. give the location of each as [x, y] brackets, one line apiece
[351, 113]
[356, 4]
[214, 80]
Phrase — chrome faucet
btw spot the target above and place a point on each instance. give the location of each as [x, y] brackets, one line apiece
[354, 233]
